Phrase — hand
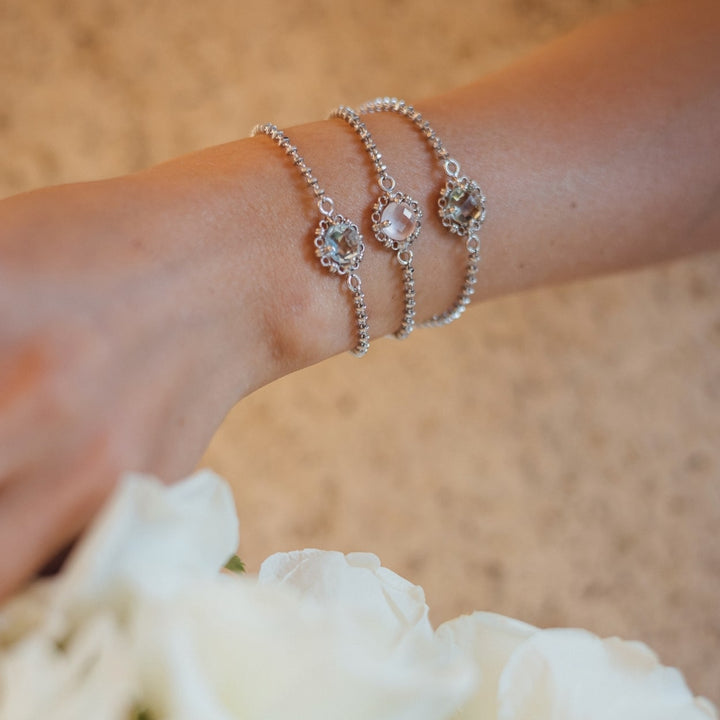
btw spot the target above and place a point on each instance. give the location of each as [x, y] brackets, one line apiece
[113, 356]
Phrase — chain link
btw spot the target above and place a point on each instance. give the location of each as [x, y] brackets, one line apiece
[283, 141]
[401, 246]
[326, 207]
[466, 293]
[387, 184]
[363, 342]
[391, 104]
[452, 171]
[408, 321]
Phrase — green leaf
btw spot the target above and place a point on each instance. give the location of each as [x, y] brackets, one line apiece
[141, 714]
[236, 565]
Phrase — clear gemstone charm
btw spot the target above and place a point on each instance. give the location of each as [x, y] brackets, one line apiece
[339, 245]
[462, 206]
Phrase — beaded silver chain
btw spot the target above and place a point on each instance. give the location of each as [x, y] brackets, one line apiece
[461, 204]
[396, 217]
[338, 242]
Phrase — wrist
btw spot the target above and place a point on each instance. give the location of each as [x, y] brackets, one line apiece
[230, 229]
[244, 219]
[236, 220]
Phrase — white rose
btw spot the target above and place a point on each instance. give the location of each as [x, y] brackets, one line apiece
[320, 636]
[151, 540]
[565, 674]
[67, 649]
[193, 643]
[240, 650]
[357, 582]
[90, 676]
[490, 640]
[26, 612]
[142, 619]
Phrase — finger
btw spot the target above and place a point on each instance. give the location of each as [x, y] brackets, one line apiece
[25, 406]
[22, 439]
[40, 515]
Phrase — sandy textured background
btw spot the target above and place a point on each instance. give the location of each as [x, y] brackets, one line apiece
[554, 456]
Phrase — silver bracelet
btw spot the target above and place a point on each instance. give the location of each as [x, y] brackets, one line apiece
[461, 204]
[338, 242]
[396, 217]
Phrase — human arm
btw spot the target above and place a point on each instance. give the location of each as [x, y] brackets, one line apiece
[148, 305]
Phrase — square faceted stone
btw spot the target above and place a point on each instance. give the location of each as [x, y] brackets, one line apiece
[398, 221]
[342, 243]
[464, 205]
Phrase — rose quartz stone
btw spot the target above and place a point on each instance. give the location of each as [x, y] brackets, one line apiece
[398, 221]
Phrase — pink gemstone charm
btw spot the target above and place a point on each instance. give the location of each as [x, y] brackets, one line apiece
[398, 221]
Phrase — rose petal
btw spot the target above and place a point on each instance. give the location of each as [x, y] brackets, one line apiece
[26, 612]
[91, 675]
[490, 640]
[259, 652]
[152, 540]
[569, 674]
[367, 592]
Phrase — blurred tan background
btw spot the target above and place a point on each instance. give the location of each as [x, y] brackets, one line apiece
[553, 456]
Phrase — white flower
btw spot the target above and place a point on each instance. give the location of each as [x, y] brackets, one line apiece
[90, 676]
[68, 646]
[26, 613]
[412, 674]
[142, 619]
[566, 674]
[357, 582]
[490, 640]
[195, 643]
[239, 650]
[151, 541]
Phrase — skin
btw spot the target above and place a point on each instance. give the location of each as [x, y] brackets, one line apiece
[134, 312]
